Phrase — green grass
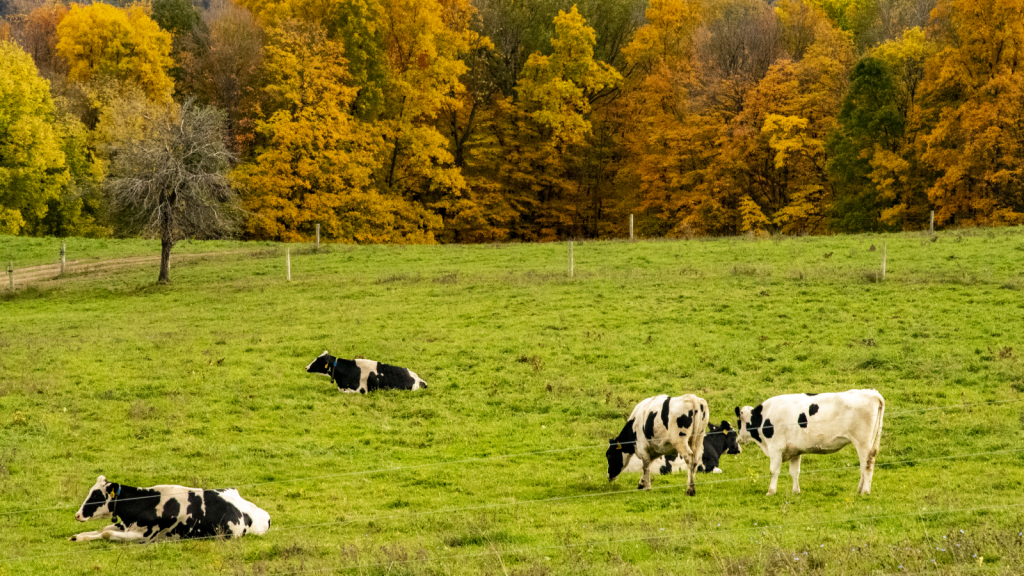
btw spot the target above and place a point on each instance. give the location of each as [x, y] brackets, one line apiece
[25, 252]
[201, 383]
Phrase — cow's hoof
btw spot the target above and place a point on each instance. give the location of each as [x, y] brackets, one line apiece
[691, 492]
[770, 493]
[797, 491]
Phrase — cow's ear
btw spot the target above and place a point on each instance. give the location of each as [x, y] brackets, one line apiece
[737, 411]
[101, 478]
[726, 425]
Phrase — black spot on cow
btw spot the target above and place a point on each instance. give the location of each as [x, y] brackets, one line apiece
[768, 429]
[649, 426]
[625, 443]
[362, 391]
[96, 499]
[755, 423]
[802, 420]
[664, 412]
[685, 420]
[813, 409]
[394, 377]
[810, 393]
[247, 519]
[666, 468]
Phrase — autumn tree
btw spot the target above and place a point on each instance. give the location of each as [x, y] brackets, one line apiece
[973, 94]
[32, 165]
[168, 176]
[104, 43]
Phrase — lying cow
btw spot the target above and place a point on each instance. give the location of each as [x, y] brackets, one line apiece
[661, 426]
[145, 514]
[363, 376]
[786, 427]
[718, 441]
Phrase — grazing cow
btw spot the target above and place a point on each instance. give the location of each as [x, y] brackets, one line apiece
[363, 376]
[718, 441]
[785, 427]
[661, 426]
[145, 514]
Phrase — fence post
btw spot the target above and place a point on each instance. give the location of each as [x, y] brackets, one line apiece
[571, 263]
[630, 227]
[883, 261]
[63, 254]
[931, 223]
[10, 274]
[288, 263]
[318, 237]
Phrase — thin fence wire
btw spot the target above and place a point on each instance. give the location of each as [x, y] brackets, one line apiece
[659, 537]
[511, 455]
[290, 528]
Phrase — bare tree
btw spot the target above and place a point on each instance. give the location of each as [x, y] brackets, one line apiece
[168, 173]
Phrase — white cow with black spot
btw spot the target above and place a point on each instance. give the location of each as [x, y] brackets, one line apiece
[660, 426]
[168, 512]
[789, 426]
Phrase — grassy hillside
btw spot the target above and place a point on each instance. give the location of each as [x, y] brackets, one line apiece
[499, 466]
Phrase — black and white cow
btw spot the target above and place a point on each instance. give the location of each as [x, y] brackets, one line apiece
[718, 441]
[145, 514]
[364, 376]
[661, 426]
[786, 427]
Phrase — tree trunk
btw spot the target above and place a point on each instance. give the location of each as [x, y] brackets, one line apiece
[166, 243]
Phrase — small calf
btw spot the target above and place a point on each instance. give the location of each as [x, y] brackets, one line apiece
[168, 512]
[660, 426]
[362, 376]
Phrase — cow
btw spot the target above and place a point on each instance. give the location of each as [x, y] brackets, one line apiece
[661, 426]
[168, 512]
[362, 376]
[718, 441]
[788, 426]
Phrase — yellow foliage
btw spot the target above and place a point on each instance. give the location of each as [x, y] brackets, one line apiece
[100, 41]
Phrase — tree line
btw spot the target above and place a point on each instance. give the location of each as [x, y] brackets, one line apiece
[420, 121]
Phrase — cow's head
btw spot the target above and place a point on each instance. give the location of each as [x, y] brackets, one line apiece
[731, 444]
[99, 503]
[618, 456]
[321, 365]
[743, 422]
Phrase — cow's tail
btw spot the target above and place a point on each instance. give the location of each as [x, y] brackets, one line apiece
[877, 439]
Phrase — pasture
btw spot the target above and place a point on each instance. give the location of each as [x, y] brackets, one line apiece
[498, 467]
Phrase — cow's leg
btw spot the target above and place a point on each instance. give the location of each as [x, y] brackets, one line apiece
[118, 535]
[794, 471]
[866, 454]
[87, 536]
[645, 479]
[775, 465]
[690, 461]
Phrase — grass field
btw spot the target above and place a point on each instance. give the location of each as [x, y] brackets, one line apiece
[201, 383]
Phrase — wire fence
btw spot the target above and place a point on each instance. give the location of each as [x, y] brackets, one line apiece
[515, 455]
[491, 506]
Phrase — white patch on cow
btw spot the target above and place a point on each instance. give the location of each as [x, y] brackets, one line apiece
[419, 383]
[260, 518]
[842, 418]
[315, 359]
[366, 367]
[717, 470]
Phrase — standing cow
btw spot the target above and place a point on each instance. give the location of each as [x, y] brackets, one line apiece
[719, 440]
[661, 426]
[786, 427]
[362, 376]
[145, 514]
